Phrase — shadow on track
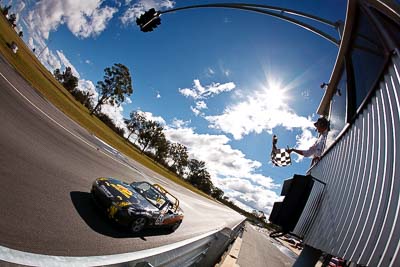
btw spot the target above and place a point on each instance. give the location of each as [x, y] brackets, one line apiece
[98, 221]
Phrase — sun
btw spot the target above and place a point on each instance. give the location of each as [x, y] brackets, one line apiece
[276, 94]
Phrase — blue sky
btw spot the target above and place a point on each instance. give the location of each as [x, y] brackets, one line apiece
[221, 81]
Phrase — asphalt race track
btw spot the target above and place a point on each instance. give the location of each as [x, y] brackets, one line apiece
[47, 165]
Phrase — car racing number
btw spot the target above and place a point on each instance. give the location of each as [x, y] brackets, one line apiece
[166, 218]
[161, 218]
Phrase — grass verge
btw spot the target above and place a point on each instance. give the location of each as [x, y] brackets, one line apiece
[32, 70]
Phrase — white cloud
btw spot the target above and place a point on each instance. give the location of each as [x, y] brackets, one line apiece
[303, 141]
[141, 6]
[200, 92]
[195, 111]
[176, 123]
[264, 110]
[88, 86]
[114, 113]
[150, 116]
[224, 70]
[87, 61]
[209, 72]
[83, 18]
[225, 165]
[31, 43]
[37, 41]
[227, 20]
[306, 94]
[250, 195]
[20, 7]
[65, 61]
[201, 105]
[50, 60]
[188, 92]
[128, 100]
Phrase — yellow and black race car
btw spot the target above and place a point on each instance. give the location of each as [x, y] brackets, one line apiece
[137, 205]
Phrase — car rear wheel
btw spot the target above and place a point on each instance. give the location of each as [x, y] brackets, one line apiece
[138, 224]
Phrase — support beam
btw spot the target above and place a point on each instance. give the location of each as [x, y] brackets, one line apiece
[277, 12]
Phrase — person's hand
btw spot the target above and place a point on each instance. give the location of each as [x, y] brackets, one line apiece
[315, 160]
[289, 150]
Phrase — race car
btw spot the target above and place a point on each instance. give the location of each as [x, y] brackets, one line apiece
[138, 205]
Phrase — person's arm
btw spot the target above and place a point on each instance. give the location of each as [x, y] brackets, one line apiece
[298, 151]
[306, 153]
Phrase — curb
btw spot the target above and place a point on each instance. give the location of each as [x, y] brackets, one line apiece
[233, 254]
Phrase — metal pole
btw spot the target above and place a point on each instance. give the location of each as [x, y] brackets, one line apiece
[281, 15]
[43, 49]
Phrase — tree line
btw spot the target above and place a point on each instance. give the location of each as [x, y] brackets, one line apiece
[147, 135]
[11, 18]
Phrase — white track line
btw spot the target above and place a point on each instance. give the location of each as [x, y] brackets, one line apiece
[58, 124]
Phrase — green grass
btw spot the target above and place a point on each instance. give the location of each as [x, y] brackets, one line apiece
[32, 70]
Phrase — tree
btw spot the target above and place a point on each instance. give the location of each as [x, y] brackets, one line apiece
[149, 134]
[217, 193]
[5, 10]
[83, 97]
[12, 19]
[58, 75]
[199, 176]
[110, 123]
[179, 155]
[116, 84]
[70, 82]
[162, 148]
[134, 123]
[206, 186]
[67, 79]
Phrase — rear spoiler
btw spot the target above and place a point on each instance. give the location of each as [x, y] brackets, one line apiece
[169, 195]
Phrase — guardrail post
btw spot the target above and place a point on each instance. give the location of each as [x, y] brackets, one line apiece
[217, 248]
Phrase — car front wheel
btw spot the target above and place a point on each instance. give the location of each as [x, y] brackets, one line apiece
[138, 224]
[175, 226]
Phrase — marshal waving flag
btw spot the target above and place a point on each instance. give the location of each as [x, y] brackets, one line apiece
[279, 156]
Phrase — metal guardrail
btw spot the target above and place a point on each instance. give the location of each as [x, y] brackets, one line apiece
[204, 250]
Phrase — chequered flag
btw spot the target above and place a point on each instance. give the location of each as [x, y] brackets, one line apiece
[279, 156]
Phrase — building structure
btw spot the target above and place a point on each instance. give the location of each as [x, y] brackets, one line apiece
[355, 215]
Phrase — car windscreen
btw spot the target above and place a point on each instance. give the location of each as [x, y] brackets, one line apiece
[150, 193]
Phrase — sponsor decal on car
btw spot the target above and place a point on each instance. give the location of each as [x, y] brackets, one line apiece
[122, 204]
[111, 211]
[123, 190]
[106, 192]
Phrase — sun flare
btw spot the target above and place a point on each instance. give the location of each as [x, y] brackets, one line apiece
[276, 94]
